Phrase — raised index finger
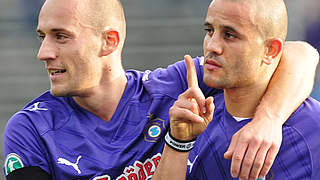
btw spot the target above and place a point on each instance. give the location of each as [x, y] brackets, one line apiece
[193, 82]
[191, 72]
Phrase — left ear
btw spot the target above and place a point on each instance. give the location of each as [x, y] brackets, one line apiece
[111, 41]
[274, 48]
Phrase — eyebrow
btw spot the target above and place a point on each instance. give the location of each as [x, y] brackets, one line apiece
[54, 30]
[207, 24]
[229, 28]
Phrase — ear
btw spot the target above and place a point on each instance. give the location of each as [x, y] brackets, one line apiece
[274, 49]
[111, 41]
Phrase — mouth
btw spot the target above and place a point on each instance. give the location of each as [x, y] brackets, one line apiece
[212, 63]
[56, 71]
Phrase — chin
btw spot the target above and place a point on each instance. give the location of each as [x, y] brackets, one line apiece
[212, 82]
[58, 92]
[217, 83]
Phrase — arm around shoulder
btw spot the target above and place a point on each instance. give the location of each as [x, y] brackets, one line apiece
[291, 83]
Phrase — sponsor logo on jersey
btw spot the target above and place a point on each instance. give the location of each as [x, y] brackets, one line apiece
[154, 129]
[104, 177]
[13, 162]
[139, 170]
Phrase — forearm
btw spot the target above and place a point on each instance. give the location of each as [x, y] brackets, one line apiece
[173, 165]
[291, 83]
[186, 123]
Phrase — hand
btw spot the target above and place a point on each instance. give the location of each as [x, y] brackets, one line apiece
[191, 113]
[253, 149]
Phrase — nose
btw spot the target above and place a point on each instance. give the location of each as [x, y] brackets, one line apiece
[214, 44]
[46, 51]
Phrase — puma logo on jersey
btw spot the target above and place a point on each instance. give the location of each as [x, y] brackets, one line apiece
[191, 163]
[145, 76]
[202, 61]
[36, 108]
[68, 163]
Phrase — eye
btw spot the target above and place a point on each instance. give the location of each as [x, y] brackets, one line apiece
[61, 36]
[209, 31]
[229, 35]
[41, 37]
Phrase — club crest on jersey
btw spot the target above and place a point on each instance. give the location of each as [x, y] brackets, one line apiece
[13, 162]
[154, 129]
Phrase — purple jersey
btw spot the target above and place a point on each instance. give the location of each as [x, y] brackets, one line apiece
[298, 158]
[69, 142]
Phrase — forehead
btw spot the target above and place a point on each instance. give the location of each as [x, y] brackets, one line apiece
[240, 14]
[58, 13]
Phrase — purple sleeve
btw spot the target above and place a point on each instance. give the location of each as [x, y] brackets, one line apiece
[172, 81]
[23, 139]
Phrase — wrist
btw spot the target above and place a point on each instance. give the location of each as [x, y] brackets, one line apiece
[267, 115]
[179, 145]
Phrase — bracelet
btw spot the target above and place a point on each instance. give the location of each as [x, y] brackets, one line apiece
[178, 145]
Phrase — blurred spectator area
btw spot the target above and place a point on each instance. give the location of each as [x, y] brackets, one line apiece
[159, 32]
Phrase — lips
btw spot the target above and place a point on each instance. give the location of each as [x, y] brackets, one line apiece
[56, 74]
[212, 64]
[56, 71]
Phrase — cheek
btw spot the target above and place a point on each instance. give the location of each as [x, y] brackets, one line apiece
[205, 44]
[237, 64]
[78, 63]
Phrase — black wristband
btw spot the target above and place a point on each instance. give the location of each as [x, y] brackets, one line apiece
[178, 145]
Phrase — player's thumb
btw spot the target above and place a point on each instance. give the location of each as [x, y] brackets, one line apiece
[209, 109]
[228, 154]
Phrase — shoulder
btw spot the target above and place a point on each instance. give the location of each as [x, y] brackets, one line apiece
[172, 81]
[301, 133]
[307, 114]
[295, 157]
[26, 130]
[43, 113]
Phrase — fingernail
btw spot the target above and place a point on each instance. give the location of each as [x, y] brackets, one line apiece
[201, 119]
[260, 178]
[235, 176]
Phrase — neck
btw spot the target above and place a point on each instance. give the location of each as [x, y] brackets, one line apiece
[242, 101]
[103, 100]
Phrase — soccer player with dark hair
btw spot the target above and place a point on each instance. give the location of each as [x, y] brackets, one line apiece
[242, 49]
